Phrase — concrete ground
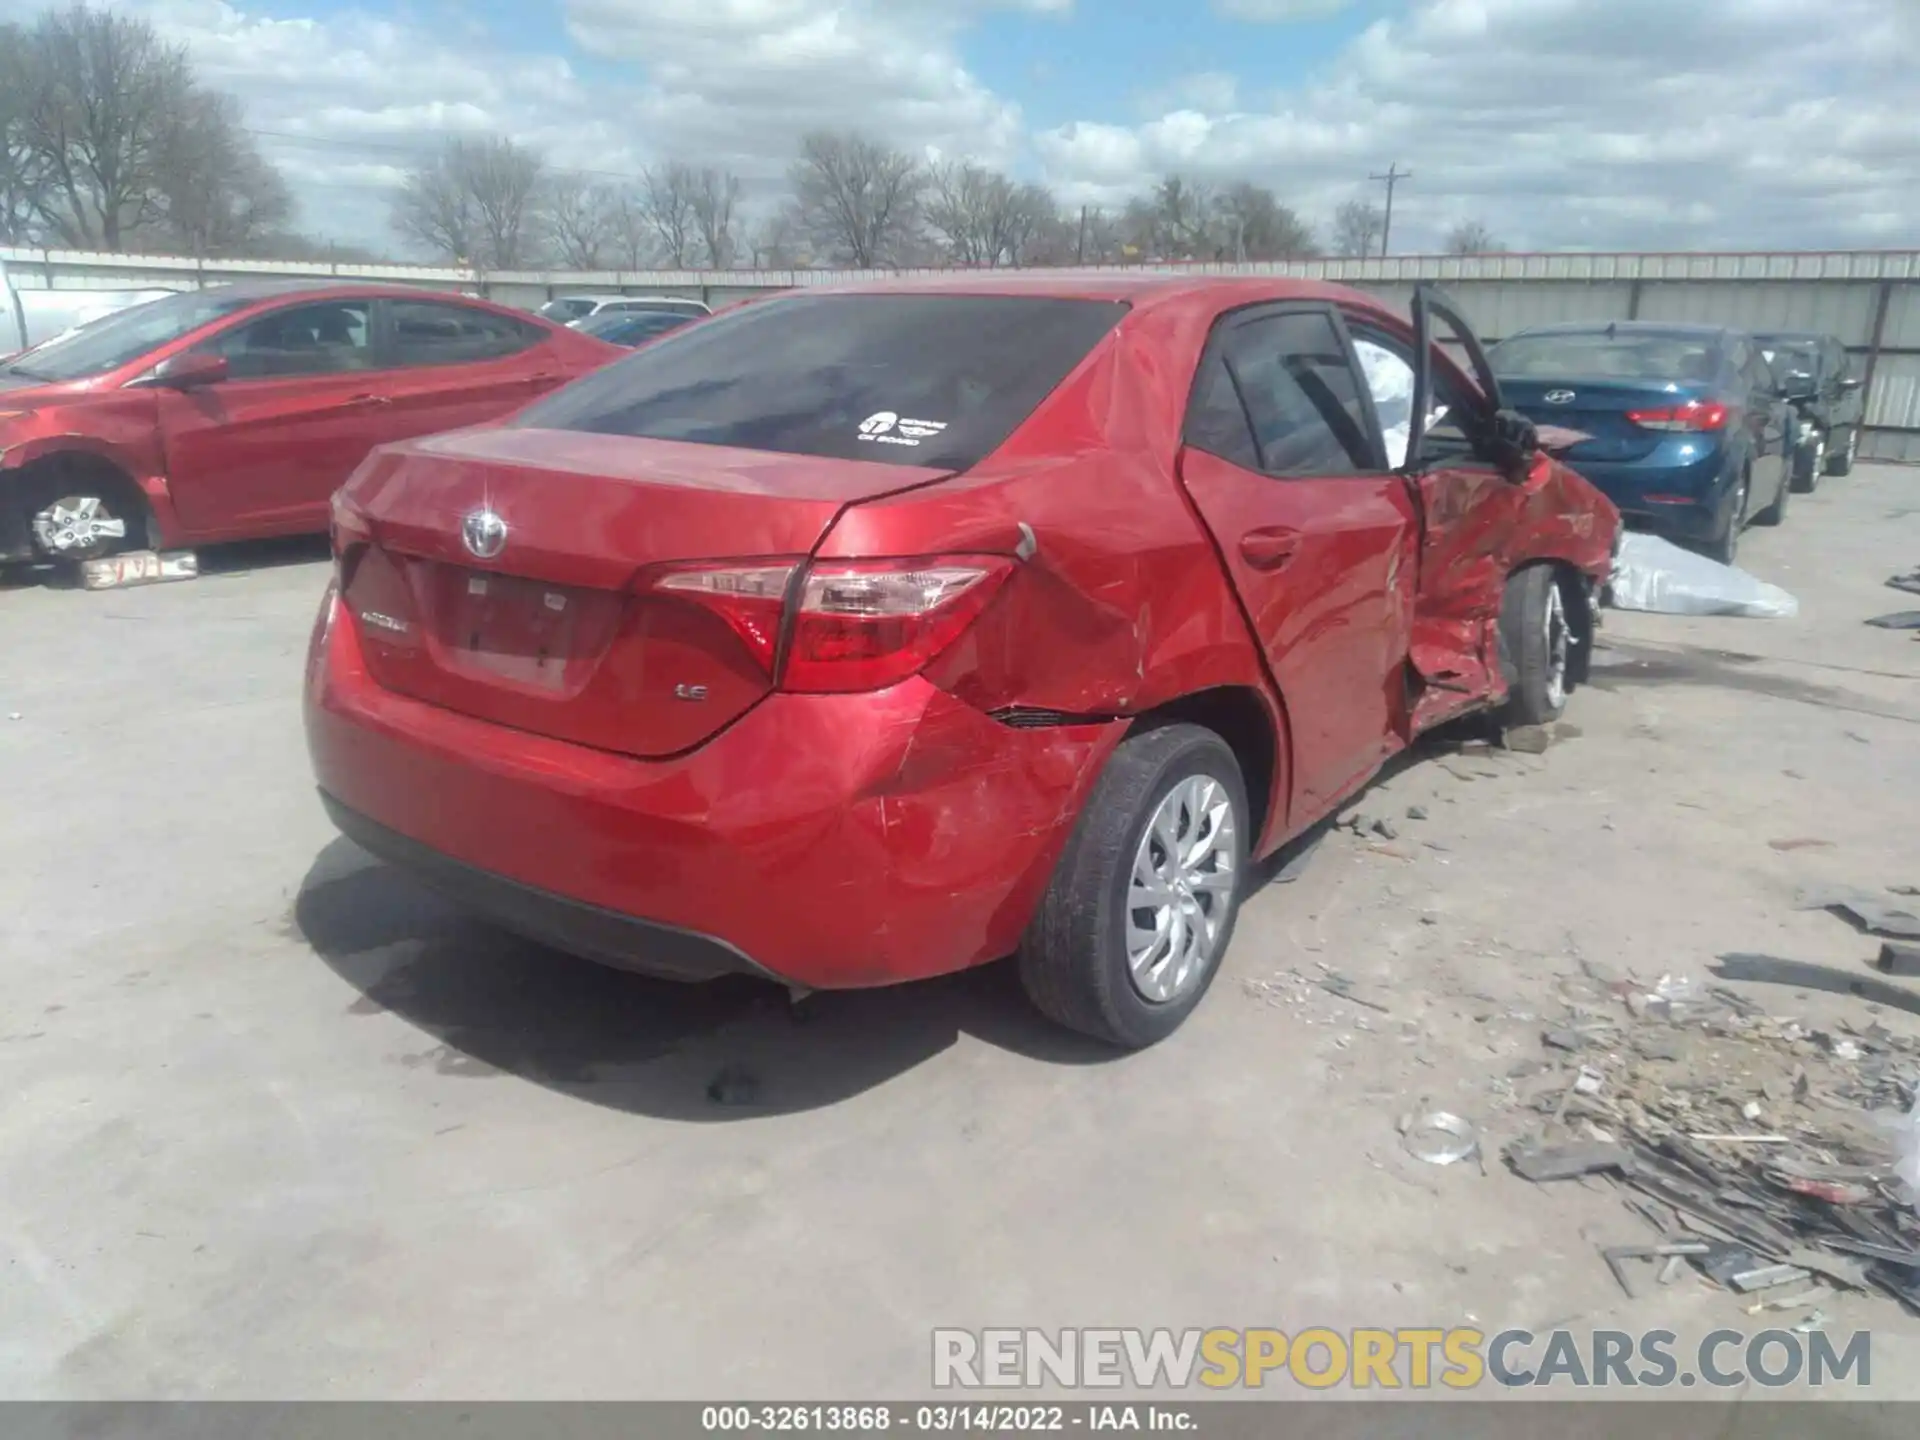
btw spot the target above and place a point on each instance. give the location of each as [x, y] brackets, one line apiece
[275, 1124]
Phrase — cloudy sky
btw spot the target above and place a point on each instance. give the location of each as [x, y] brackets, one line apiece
[1592, 124]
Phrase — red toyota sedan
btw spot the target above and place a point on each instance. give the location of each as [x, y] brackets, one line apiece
[854, 637]
[236, 412]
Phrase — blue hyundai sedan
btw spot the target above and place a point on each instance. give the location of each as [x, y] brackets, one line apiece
[1686, 429]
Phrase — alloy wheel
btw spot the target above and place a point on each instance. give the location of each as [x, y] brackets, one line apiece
[77, 527]
[1181, 890]
[1559, 643]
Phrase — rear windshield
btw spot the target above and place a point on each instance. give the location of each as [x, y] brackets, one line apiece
[930, 380]
[1600, 356]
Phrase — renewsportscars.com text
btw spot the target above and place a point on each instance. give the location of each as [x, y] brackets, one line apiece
[1400, 1359]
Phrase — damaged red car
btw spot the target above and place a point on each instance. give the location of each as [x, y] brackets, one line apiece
[854, 637]
[235, 412]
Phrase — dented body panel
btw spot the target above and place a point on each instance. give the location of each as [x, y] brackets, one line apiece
[857, 839]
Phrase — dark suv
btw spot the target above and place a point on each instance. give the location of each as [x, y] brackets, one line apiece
[1815, 375]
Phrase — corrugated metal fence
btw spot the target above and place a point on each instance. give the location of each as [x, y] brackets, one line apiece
[1870, 299]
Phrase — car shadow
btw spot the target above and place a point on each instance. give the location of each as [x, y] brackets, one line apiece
[245, 557]
[732, 1049]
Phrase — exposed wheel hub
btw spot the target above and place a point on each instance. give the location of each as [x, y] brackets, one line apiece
[77, 526]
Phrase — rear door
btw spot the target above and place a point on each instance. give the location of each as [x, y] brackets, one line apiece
[264, 449]
[457, 365]
[1285, 465]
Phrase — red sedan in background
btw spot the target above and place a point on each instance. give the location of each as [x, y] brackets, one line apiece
[236, 412]
[849, 638]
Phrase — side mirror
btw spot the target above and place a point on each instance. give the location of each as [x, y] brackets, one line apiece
[1515, 440]
[191, 370]
[1852, 382]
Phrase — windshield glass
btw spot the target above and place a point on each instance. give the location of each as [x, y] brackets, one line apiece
[1786, 359]
[1600, 355]
[124, 336]
[925, 380]
[629, 328]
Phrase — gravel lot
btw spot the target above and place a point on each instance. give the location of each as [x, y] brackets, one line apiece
[275, 1124]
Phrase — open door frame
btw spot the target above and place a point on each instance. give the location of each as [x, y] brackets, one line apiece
[1512, 434]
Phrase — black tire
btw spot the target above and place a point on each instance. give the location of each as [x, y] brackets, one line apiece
[1840, 452]
[1809, 464]
[1527, 657]
[1725, 546]
[1073, 958]
[1775, 513]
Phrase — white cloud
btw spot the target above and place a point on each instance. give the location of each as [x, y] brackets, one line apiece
[1596, 123]
[1593, 123]
[1270, 10]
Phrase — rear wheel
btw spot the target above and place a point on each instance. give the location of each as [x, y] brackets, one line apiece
[1725, 545]
[1142, 904]
[1841, 457]
[1536, 646]
[1810, 464]
[1777, 511]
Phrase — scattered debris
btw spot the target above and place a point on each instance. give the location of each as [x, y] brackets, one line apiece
[1416, 812]
[1899, 620]
[1386, 829]
[1909, 582]
[1335, 983]
[1766, 1152]
[1865, 909]
[1440, 1138]
[1656, 575]
[1800, 844]
[1529, 739]
[138, 567]
[1898, 959]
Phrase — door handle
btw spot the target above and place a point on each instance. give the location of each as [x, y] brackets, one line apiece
[375, 400]
[540, 382]
[1269, 549]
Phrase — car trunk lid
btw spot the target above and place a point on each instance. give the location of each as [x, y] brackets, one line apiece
[559, 632]
[1599, 409]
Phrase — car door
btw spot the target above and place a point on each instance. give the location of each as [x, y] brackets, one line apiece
[1848, 402]
[457, 365]
[1770, 422]
[1470, 508]
[1284, 464]
[262, 451]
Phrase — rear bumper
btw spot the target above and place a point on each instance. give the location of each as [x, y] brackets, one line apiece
[831, 841]
[1682, 496]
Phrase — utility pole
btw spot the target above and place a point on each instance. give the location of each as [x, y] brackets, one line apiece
[1080, 249]
[1392, 178]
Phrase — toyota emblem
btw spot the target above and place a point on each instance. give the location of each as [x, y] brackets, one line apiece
[485, 533]
[1559, 397]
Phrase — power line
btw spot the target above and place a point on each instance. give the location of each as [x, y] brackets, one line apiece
[1392, 178]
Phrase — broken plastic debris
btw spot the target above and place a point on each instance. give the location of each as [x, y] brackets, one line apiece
[1907, 1169]
[1656, 575]
[1589, 1081]
[1440, 1138]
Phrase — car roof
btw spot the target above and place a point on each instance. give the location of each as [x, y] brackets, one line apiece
[1626, 327]
[1806, 337]
[262, 290]
[1139, 289]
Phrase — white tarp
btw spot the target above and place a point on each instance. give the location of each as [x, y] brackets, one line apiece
[1657, 575]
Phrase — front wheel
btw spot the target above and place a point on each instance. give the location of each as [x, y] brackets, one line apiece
[1142, 904]
[1840, 460]
[1775, 513]
[1536, 646]
[1810, 464]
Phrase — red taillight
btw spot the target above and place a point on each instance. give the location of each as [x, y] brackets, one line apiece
[857, 625]
[1693, 415]
[750, 598]
[351, 534]
[867, 624]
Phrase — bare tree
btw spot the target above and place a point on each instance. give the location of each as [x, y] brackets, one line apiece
[1254, 225]
[19, 170]
[859, 199]
[779, 242]
[1357, 228]
[715, 193]
[1183, 212]
[476, 202]
[630, 232]
[103, 94]
[666, 198]
[1470, 237]
[217, 195]
[581, 222]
